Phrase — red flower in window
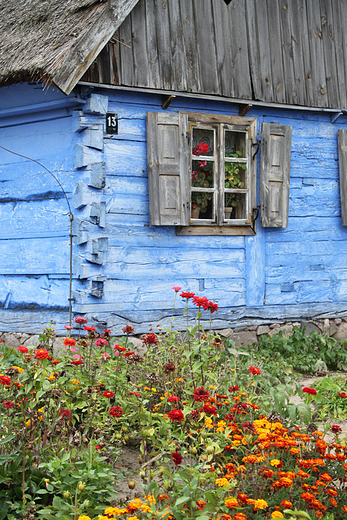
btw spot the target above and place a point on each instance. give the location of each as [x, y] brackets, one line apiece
[201, 149]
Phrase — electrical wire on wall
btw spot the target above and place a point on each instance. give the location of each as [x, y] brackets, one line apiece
[70, 215]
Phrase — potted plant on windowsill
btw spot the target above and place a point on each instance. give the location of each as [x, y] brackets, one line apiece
[233, 180]
[202, 177]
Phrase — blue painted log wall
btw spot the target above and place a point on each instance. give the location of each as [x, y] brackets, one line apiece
[123, 267]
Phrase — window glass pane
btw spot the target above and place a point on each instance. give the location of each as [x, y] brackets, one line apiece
[235, 206]
[235, 144]
[235, 175]
[202, 206]
[202, 174]
[203, 141]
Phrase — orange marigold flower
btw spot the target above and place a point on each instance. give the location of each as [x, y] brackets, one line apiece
[286, 504]
[277, 514]
[240, 516]
[201, 504]
[275, 462]
[344, 509]
[326, 477]
[333, 502]
[332, 492]
[260, 504]
[231, 502]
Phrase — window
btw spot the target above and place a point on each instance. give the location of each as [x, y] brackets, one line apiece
[202, 173]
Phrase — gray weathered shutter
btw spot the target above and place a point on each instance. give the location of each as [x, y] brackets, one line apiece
[168, 168]
[342, 136]
[274, 174]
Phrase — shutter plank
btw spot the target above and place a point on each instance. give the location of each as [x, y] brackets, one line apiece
[342, 138]
[168, 168]
[275, 173]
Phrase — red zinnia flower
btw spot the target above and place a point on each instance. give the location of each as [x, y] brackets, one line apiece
[308, 390]
[336, 429]
[213, 307]
[98, 447]
[169, 367]
[129, 353]
[342, 394]
[41, 353]
[234, 388]
[23, 349]
[173, 399]
[69, 342]
[176, 288]
[116, 411]
[187, 295]
[255, 371]
[177, 458]
[8, 404]
[207, 408]
[200, 394]
[128, 329]
[150, 339]
[89, 329]
[66, 414]
[77, 362]
[80, 320]
[100, 342]
[176, 415]
[201, 302]
[120, 348]
[108, 394]
[68, 327]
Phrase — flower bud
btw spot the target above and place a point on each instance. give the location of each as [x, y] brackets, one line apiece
[210, 450]
[193, 450]
[142, 473]
[118, 436]
[66, 494]
[81, 486]
[131, 484]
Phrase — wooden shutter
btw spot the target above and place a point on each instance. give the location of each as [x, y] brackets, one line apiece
[342, 138]
[274, 174]
[168, 168]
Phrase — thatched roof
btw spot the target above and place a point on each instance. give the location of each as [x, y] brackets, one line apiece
[55, 40]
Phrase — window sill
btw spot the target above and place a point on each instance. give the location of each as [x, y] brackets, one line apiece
[215, 230]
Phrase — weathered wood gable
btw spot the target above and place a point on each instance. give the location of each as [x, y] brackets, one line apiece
[292, 52]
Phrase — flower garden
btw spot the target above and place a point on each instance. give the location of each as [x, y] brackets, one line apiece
[216, 433]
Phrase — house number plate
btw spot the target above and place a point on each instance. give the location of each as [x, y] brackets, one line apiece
[111, 123]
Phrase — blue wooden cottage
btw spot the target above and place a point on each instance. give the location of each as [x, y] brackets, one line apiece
[146, 144]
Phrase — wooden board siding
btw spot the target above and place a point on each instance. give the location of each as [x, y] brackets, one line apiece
[280, 273]
[291, 52]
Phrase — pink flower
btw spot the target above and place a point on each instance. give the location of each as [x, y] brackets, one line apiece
[176, 288]
[68, 327]
[72, 349]
[77, 356]
[80, 320]
[100, 342]
[105, 355]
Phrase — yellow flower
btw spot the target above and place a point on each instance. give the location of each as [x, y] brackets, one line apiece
[260, 504]
[51, 378]
[231, 502]
[84, 517]
[111, 511]
[133, 518]
[275, 462]
[179, 380]
[20, 370]
[222, 482]
[277, 514]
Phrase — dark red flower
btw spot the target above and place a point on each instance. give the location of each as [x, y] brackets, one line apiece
[207, 408]
[116, 411]
[310, 391]
[80, 320]
[341, 394]
[77, 362]
[150, 339]
[176, 415]
[187, 295]
[200, 394]
[177, 458]
[23, 349]
[129, 353]
[169, 367]
[108, 394]
[128, 329]
[8, 404]
[255, 371]
[173, 399]
[194, 415]
[41, 353]
[66, 414]
[234, 388]
[135, 393]
[212, 307]
[336, 429]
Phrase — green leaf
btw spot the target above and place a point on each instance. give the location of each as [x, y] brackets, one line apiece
[181, 500]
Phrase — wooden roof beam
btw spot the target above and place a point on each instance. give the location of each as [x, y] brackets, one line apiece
[166, 101]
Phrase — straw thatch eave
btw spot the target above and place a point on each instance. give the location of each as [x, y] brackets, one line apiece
[55, 41]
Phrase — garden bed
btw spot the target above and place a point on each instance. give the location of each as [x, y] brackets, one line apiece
[188, 429]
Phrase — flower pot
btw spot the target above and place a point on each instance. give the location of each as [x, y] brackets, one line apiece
[228, 212]
[195, 212]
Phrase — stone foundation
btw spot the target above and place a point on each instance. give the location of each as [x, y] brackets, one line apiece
[336, 328]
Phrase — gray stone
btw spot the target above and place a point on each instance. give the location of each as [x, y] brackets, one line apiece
[326, 324]
[337, 321]
[58, 346]
[309, 327]
[341, 333]
[263, 329]
[226, 333]
[244, 338]
[33, 341]
[24, 337]
[10, 340]
[275, 329]
[332, 329]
